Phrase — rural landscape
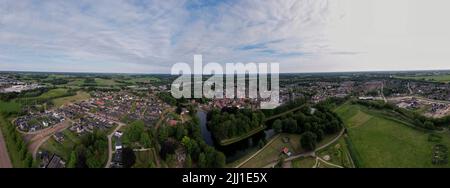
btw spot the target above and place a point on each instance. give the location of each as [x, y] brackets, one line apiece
[224, 92]
[325, 120]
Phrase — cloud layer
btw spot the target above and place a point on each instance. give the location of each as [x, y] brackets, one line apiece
[150, 36]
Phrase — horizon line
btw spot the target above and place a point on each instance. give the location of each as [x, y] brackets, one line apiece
[160, 73]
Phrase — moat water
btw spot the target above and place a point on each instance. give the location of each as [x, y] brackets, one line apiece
[236, 150]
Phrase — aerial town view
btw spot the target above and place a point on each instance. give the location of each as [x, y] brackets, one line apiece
[224, 85]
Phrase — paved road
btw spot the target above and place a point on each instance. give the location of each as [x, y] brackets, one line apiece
[5, 161]
[110, 150]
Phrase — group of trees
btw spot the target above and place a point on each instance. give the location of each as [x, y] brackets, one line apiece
[15, 140]
[57, 81]
[188, 135]
[312, 123]
[92, 152]
[232, 122]
[167, 98]
[136, 135]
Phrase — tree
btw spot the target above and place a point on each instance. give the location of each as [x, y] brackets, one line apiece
[429, 125]
[72, 160]
[202, 161]
[308, 140]
[219, 161]
[188, 162]
[145, 140]
[29, 160]
[179, 132]
[277, 126]
[163, 133]
[290, 125]
[128, 157]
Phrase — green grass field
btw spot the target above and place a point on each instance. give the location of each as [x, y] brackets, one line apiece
[272, 152]
[338, 153]
[383, 142]
[9, 107]
[63, 149]
[445, 78]
[145, 159]
[51, 94]
[81, 95]
[306, 162]
[13, 151]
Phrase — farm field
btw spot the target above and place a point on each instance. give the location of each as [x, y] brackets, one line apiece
[383, 142]
[51, 94]
[80, 96]
[433, 78]
[9, 107]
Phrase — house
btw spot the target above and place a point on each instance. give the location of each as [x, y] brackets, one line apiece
[173, 122]
[118, 134]
[56, 162]
[286, 151]
[118, 145]
[59, 137]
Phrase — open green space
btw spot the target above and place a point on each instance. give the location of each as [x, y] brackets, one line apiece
[51, 94]
[63, 149]
[304, 162]
[145, 159]
[9, 134]
[80, 96]
[337, 153]
[9, 107]
[272, 152]
[381, 141]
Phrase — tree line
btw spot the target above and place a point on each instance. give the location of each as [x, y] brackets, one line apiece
[313, 123]
[232, 122]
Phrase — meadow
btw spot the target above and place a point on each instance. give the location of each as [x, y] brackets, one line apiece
[380, 141]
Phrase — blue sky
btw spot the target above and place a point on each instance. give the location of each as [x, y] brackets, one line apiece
[140, 36]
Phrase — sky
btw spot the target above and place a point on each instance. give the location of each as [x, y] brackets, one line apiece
[139, 36]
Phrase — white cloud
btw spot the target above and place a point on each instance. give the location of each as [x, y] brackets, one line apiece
[150, 36]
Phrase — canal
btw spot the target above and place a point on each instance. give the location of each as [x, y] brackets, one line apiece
[236, 150]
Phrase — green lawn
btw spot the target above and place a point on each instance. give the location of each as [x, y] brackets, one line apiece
[338, 153]
[272, 152]
[63, 149]
[307, 162]
[13, 151]
[9, 107]
[145, 159]
[382, 142]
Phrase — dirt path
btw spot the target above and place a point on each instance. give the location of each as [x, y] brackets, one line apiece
[110, 150]
[5, 161]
